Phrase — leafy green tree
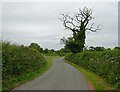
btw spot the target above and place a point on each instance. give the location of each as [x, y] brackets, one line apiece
[52, 50]
[99, 48]
[116, 47]
[63, 51]
[36, 46]
[46, 50]
[78, 24]
[91, 48]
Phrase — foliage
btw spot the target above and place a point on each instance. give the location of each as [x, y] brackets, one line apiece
[36, 46]
[19, 60]
[117, 47]
[63, 51]
[104, 63]
[96, 48]
[74, 45]
[95, 82]
[78, 24]
[51, 52]
[46, 50]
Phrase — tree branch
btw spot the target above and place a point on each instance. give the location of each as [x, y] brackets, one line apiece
[68, 22]
[93, 30]
[82, 18]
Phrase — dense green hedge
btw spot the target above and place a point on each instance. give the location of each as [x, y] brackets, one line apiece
[104, 63]
[18, 60]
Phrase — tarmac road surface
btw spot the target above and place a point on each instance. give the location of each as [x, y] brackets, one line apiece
[61, 76]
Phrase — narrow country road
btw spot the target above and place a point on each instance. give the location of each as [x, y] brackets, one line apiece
[61, 76]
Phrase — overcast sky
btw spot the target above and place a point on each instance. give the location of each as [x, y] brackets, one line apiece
[25, 22]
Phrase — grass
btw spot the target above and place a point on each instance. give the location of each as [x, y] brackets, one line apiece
[94, 81]
[50, 58]
[31, 75]
[102, 63]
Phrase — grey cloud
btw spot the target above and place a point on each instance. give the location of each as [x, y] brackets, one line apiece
[38, 22]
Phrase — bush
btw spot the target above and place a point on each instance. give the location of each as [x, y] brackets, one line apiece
[103, 63]
[18, 60]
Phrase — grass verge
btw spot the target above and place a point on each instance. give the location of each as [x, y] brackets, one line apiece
[94, 81]
[29, 76]
[50, 58]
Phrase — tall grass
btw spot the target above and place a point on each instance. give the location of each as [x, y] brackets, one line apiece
[104, 63]
[19, 60]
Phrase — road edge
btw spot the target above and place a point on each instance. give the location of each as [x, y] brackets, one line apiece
[93, 87]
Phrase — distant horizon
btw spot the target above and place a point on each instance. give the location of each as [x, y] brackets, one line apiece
[15, 43]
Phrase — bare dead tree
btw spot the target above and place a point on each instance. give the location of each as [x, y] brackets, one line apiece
[78, 24]
[82, 18]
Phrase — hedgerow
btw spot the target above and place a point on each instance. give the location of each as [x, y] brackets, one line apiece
[18, 60]
[104, 63]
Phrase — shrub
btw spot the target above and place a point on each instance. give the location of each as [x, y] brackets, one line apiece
[103, 63]
[18, 60]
